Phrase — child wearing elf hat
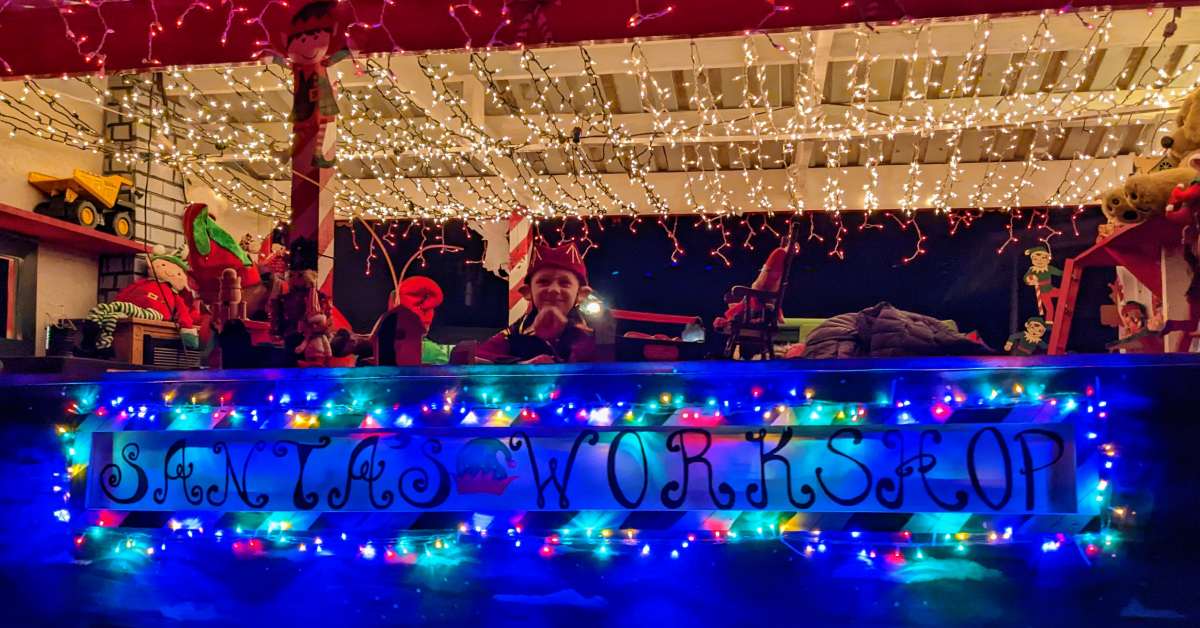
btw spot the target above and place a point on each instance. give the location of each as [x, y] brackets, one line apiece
[157, 297]
[553, 330]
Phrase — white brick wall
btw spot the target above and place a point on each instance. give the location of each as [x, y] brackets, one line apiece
[158, 213]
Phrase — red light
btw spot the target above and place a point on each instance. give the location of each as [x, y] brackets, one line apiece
[756, 392]
[547, 551]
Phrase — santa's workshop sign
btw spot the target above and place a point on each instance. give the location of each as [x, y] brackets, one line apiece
[994, 468]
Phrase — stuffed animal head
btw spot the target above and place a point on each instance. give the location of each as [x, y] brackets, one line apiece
[1117, 208]
[1144, 195]
[1148, 193]
[318, 323]
[1185, 138]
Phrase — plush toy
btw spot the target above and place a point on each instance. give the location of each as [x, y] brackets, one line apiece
[315, 347]
[1185, 138]
[1143, 195]
[770, 277]
[1029, 341]
[157, 297]
[1187, 195]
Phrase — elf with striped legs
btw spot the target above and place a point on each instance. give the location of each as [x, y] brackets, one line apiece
[156, 297]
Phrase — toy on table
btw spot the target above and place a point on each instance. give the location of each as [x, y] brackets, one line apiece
[1040, 277]
[315, 347]
[88, 200]
[157, 297]
[1028, 342]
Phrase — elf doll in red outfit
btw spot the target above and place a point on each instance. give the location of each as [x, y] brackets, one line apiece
[157, 297]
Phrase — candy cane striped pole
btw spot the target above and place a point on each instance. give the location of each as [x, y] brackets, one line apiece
[520, 242]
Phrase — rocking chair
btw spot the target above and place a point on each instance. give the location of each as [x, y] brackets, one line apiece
[753, 328]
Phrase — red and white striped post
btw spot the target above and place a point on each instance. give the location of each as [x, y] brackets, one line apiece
[520, 243]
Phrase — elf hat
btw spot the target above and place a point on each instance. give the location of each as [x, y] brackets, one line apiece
[564, 257]
[1037, 249]
[422, 286]
[160, 253]
[1036, 319]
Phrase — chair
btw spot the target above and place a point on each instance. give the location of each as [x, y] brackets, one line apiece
[753, 328]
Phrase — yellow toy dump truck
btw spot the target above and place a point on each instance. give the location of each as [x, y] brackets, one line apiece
[88, 200]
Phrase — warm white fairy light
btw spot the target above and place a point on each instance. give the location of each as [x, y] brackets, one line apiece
[415, 146]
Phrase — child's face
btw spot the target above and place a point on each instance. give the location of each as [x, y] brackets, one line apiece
[555, 288]
[1040, 259]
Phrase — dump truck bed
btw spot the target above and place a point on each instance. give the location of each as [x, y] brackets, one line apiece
[103, 189]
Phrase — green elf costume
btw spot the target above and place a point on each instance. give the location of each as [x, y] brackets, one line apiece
[1028, 342]
[1039, 276]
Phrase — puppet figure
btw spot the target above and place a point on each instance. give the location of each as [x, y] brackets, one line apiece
[1030, 341]
[422, 295]
[310, 46]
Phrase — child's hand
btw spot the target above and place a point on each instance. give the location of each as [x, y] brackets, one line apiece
[549, 324]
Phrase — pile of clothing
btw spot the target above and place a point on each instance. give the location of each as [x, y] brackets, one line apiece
[883, 330]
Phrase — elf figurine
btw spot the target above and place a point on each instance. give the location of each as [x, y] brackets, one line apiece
[315, 348]
[1039, 277]
[1030, 341]
[157, 297]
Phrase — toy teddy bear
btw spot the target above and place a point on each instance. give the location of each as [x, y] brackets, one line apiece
[1148, 194]
[1185, 138]
[315, 347]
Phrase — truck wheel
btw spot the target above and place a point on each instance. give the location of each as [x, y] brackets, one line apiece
[122, 224]
[85, 214]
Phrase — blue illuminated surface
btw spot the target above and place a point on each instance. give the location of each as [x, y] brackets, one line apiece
[490, 569]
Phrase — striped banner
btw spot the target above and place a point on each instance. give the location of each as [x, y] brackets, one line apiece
[520, 243]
